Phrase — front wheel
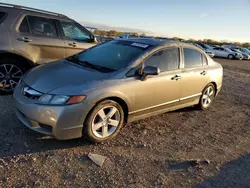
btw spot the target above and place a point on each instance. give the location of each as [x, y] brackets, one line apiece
[104, 121]
[230, 56]
[207, 97]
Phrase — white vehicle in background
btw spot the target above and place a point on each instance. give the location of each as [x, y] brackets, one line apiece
[208, 52]
[226, 53]
[245, 55]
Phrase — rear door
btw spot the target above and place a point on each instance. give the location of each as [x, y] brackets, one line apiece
[37, 38]
[76, 37]
[194, 74]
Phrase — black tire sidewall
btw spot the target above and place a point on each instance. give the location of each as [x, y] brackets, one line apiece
[87, 129]
[230, 55]
[200, 105]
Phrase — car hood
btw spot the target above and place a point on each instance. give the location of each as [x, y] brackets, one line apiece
[51, 76]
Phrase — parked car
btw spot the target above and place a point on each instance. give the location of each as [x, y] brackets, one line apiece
[96, 91]
[226, 53]
[245, 55]
[30, 36]
[208, 52]
[244, 50]
[127, 36]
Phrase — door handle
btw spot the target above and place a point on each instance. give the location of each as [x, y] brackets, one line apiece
[203, 73]
[176, 77]
[24, 39]
[72, 44]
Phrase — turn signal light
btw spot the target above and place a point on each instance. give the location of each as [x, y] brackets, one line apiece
[76, 99]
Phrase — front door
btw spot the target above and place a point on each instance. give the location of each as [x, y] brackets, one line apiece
[76, 37]
[194, 75]
[37, 39]
[161, 91]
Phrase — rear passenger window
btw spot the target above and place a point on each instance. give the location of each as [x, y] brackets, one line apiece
[42, 26]
[24, 28]
[166, 60]
[192, 58]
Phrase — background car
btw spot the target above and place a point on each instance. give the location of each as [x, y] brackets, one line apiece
[245, 55]
[208, 52]
[30, 36]
[226, 53]
[93, 94]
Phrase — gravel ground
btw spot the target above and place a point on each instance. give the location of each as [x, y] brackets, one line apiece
[155, 152]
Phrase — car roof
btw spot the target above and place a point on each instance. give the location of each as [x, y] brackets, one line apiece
[33, 10]
[154, 42]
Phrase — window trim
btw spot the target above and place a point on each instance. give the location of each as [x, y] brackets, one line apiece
[161, 49]
[91, 40]
[198, 50]
[25, 16]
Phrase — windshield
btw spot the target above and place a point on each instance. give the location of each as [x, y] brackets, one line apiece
[245, 50]
[113, 55]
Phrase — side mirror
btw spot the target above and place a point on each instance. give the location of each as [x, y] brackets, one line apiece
[149, 70]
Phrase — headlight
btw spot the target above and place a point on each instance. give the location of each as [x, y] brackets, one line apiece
[60, 99]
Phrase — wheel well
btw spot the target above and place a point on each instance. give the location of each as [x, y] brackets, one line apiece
[215, 86]
[24, 61]
[120, 102]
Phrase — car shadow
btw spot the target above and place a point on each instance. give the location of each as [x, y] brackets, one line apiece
[187, 109]
[36, 143]
[232, 174]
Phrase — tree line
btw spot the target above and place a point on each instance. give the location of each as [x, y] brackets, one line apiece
[114, 33]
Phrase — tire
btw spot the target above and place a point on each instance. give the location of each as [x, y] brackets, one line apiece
[230, 56]
[208, 95]
[98, 128]
[10, 74]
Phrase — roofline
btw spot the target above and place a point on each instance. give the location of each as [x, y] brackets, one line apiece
[31, 9]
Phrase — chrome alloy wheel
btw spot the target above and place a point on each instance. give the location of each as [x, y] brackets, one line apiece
[106, 121]
[9, 76]
[208, 96]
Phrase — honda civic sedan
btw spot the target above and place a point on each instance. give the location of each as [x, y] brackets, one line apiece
[94, 93]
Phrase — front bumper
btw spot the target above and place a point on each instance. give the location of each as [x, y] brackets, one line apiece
[62, 122]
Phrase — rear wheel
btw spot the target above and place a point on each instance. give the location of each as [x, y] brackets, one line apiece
[207, 97]
[104, 121]
[230, 56]
[10, 74]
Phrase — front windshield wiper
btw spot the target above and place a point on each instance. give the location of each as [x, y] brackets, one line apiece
[96, 67]
[75, 59]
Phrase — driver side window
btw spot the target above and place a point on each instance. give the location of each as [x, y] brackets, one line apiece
[166, 60]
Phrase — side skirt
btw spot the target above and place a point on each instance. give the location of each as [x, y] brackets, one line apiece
[181, 104]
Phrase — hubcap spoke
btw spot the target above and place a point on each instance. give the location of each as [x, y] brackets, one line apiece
[112, 112]
[113, 122]
[105, 131]
[211, 92]
[11, 67]
[14, 74]
[1, 75]
[98, 126]
[102, 114]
